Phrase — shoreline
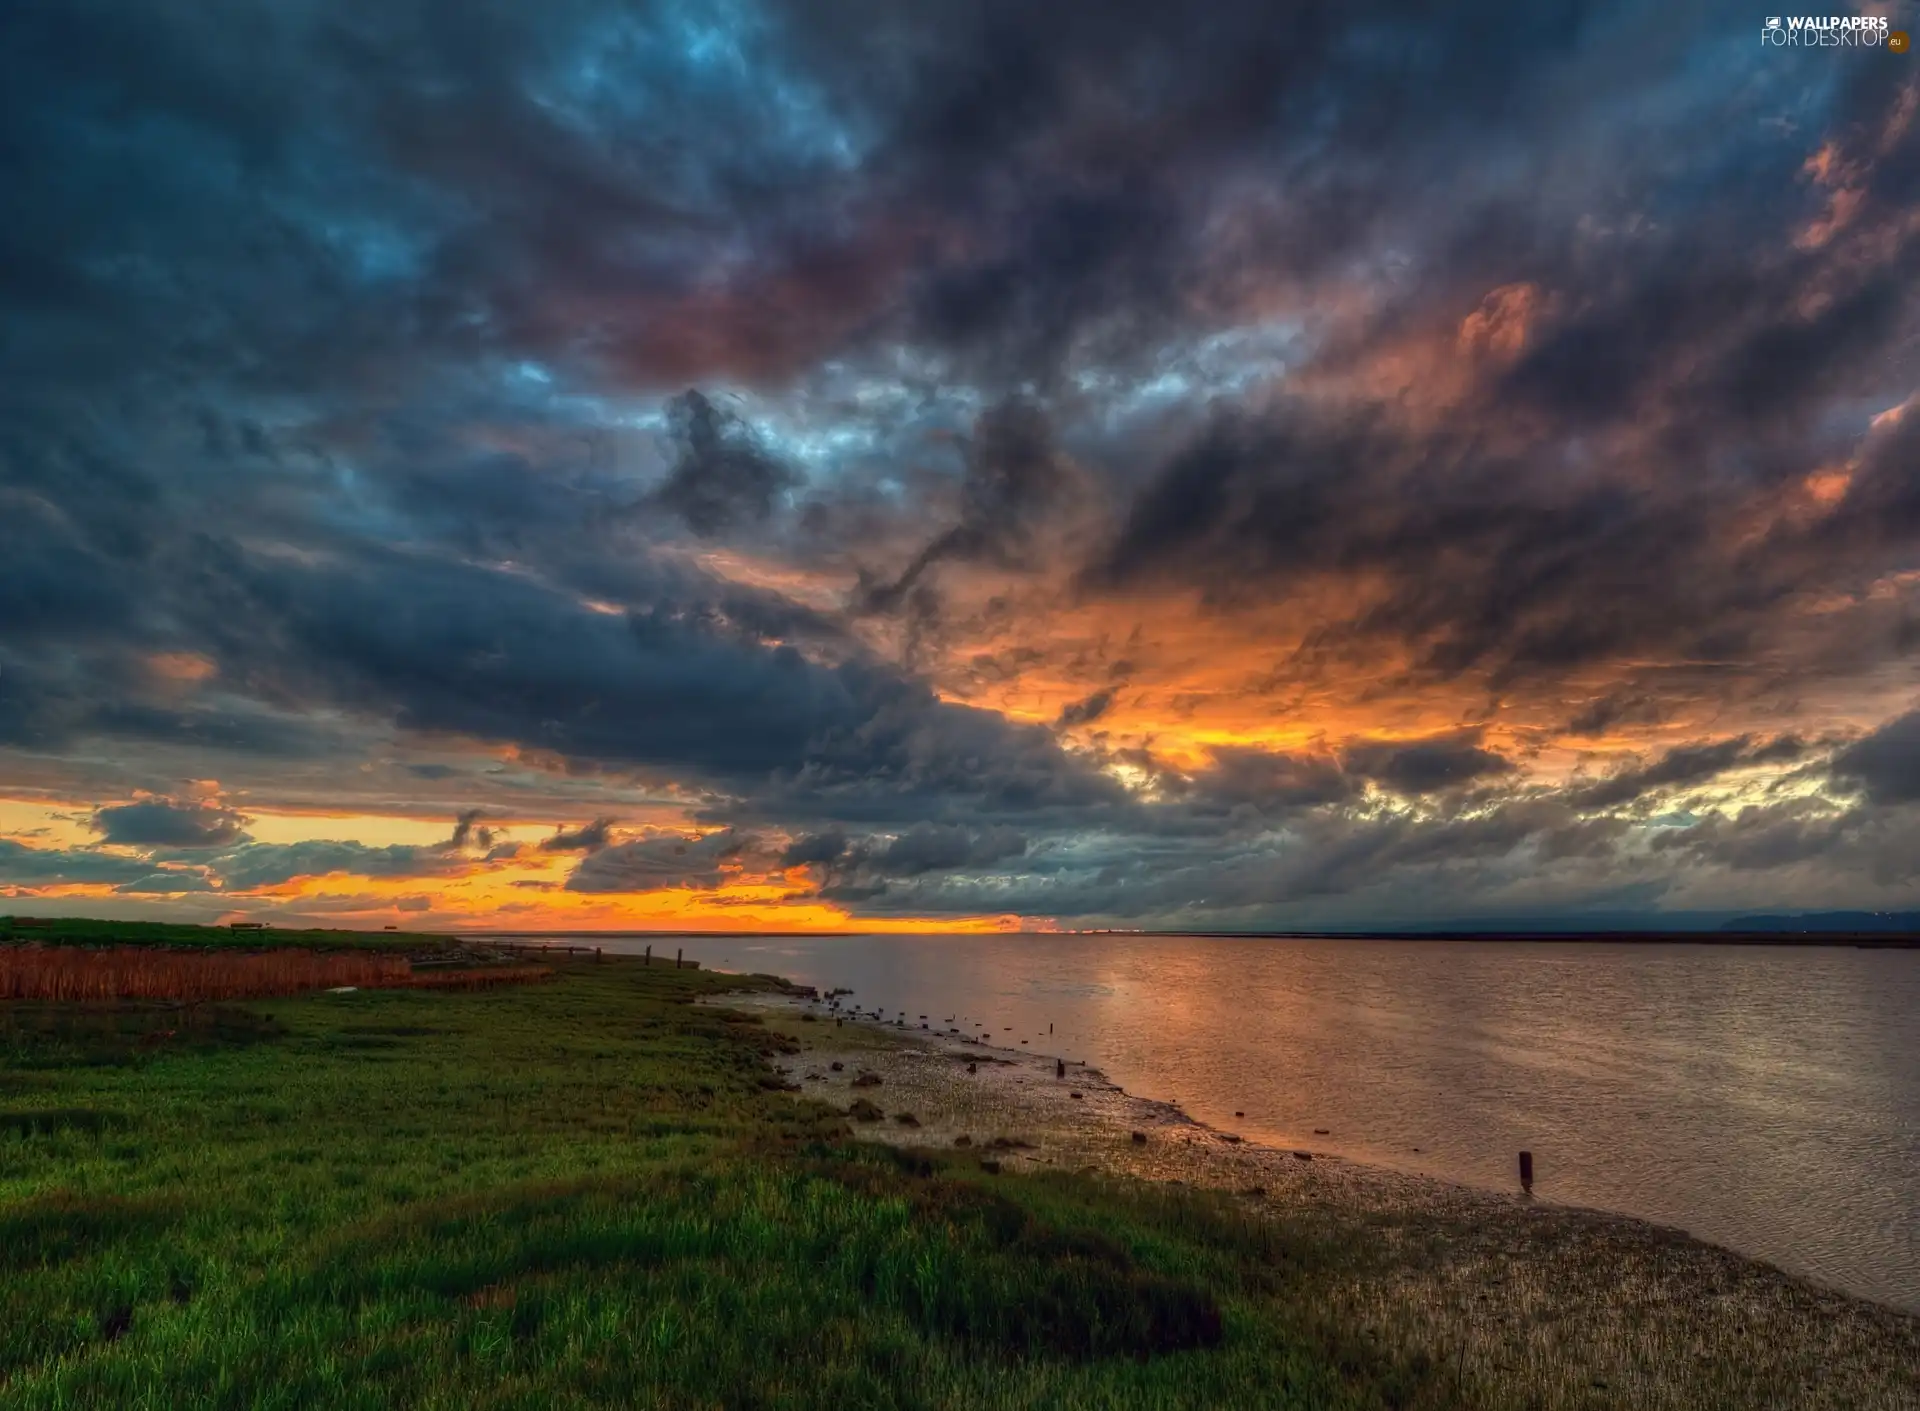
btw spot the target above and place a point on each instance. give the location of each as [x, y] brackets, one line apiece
[1567, 1305]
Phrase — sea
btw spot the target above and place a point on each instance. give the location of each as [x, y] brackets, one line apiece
[1764, 1098]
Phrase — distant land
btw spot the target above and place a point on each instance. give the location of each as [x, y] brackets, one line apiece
[1875, 930]
[1907, 922]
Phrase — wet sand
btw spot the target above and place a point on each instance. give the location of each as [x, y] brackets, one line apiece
[1538, 1305]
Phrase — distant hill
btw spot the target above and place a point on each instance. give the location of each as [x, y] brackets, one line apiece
[1829, 921]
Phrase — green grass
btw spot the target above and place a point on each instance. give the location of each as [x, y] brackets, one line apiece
[592, 1193]
[80, 931]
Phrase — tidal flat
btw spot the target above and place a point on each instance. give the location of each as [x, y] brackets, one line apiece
[596, 1191]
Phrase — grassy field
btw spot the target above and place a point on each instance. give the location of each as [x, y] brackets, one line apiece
[591, 1192]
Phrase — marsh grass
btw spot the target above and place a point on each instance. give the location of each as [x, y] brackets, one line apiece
[50, 1036]
[476, 977]
[591, 1192]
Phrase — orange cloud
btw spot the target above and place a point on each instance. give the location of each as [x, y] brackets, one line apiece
[1500, 327]
[182, 668]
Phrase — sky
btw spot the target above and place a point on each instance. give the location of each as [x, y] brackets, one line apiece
[968, 464]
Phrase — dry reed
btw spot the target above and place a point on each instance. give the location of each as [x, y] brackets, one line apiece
[144, 972]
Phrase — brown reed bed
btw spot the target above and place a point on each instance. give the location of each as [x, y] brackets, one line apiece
[67, 973]
[82, 974]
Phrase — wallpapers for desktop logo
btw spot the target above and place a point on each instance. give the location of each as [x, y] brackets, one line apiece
[1833, 32]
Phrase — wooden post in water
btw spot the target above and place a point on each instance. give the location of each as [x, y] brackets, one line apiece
[647, 959]
[677, 957]
[1526, 1172]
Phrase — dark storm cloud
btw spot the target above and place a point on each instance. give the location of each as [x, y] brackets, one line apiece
[1620, 707]
[469, 831]
[1771, 358]
[916, 758]
[433, 643]
[1014, 477]
[1322, 862]
[1885, 764]
[1881, 510]
[1683, 765]
[589, 838]
[1483, 564]
[273, 864]
[169, 823]
[936, 848]
[1840, 855]
[860, 870]
[1574, 503]
[1088, 709]
[1425, 766]
[445, 647]
[1243, 777]
[649, 864]
[1082, 149]
[1762, 838]
[29, 866]
[814, 848]
[720, 474]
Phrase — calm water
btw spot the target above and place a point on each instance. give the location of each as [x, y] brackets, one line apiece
[1764, 1098]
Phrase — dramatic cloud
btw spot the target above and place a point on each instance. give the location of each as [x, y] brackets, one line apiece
[169, 823]
[863, 869]
[1886, 763]
[588, 838]
[1424, 766]
[1256, 466]
[274, 864]
[1014, 477]
[468, 831]
[1682, 765]
[1243, 777]
[1088, 710]
[931, 848]
[720, 475]
[652, 863]
[814, 848]
[23, 865]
